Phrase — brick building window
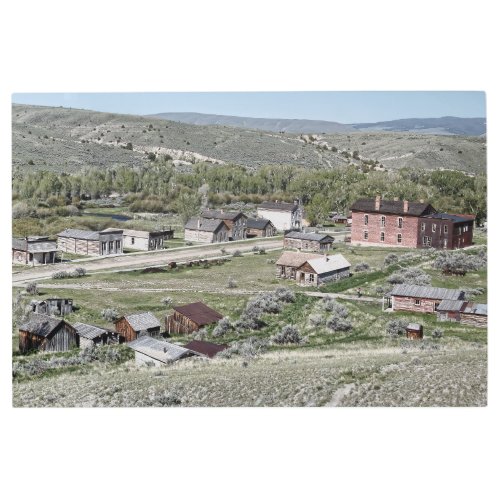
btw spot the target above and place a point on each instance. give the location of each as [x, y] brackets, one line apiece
[426, 241]
[417, 302]
[433, 228]
[422, 226]
[382, 221]
[382, 236]
[445, 229]
[400, 238]
[400, 222]
[466, 228]
[366, 220]
[365, 235]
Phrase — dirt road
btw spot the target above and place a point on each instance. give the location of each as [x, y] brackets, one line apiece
[142, 259]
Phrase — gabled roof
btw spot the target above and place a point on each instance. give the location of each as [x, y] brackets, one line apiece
[202, 224]
[278, 205]
[142, 321]
[392, 207]
[40, 324]
[427, 292]
[158, 349]
[296, 235]
[295, 259]
[451, 305]
[205, 348]
[34, 245]
[479, 309]
[80, 234]
[218, 214]
[258, 223]
[89, 331]
[199, 312]
[329, 263]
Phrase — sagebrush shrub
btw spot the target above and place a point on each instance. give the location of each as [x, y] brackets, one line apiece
[289, 334]
[396, 327]
[224, 326]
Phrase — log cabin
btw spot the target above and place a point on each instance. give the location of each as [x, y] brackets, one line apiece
[423, 299]
[462, 311]
[260, 228]
[190, 318]
[46, 333]
[132, 326]
[310, 242]
[320, 270]
[289, 262]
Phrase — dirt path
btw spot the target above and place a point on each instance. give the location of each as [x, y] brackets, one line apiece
[339, 395]
[142, 259]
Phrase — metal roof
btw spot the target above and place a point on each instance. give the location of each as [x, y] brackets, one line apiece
[258, 223]
[205, 348]
[142, 321]
[479, 309]
[200, 313]
[89, 331]
[40, 324]
[452, 217]
[80, 234]
[392, 207]
[427, 292]
[414, 326]
[295, 259]
[201, 224]
[278, 205]
[329, 263]
[296, 235]
[158, 349]
[218, 214]
[451, 305]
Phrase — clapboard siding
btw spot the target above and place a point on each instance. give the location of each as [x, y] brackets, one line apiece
[177, 323]
[408, 304]
[63, 338]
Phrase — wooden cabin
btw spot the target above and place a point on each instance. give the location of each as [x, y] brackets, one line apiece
[414, 331]
[144, 240]
[155, 352]
[260, 228]
[198, 229]
[190, 318]
[289, 262]
[133, 326]
[311, 242]
[320, 270]
[46, 333]
[424, 299]
[203, 348]
[91, 335]
[235, 221]
[462, 311]
[55, 306]
[84, 242]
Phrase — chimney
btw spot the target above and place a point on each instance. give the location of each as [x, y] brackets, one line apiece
[405, 206]
[377, 203]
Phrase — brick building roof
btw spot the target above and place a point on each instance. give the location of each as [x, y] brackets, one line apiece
[395, 207]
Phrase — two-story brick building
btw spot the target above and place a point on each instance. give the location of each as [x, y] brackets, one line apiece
[378, 222]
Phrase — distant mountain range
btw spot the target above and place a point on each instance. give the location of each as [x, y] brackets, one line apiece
[446, 125]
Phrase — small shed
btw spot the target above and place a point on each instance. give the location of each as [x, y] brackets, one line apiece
[475, 315]
[190, 318]
[53, 306]
[207, 349]
[415, 331]
[449, 310]
[46, 333]
[133, 326]
[94, 335]
[150, 351]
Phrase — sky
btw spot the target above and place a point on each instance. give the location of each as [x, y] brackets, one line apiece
[339, 106]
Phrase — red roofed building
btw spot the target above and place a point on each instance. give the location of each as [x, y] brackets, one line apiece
[190, 318]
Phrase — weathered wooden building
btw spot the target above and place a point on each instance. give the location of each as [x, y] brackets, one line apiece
[155, 352]
[414, 331]
[235, 221]
[462, 311]
[133, 326]
[378, 222]
[55, 306]
[424, 299]
[206, 349]
[144, 240]
[34, 250]
[320, 270]
[91, 335]
[284, 216]
[190, 318]
[198, 229]
[82, 242]
[260, 228]
[311, 242]
[289, 262]
[46, 333]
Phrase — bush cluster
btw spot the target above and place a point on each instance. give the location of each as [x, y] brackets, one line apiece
[396, 327]
[410, 276]
[362, 266]
[224, 326]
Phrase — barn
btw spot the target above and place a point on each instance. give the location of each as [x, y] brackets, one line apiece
[132, 326]
[190, 318]
[260, 228]
[320, 270]
[150, 351]
[46, 333]
[34, 250]
[423, 299]
[312, 242]
[83, 242]
[207, 349]
[289, 262]
[198, 229]
[91, 335]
